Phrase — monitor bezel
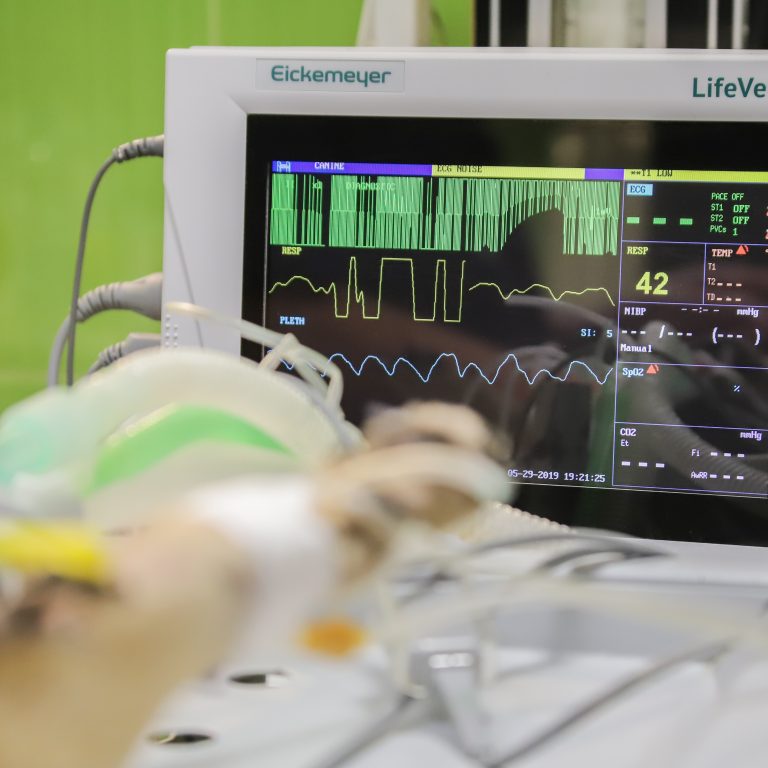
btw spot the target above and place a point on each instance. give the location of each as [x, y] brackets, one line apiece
[211, 91]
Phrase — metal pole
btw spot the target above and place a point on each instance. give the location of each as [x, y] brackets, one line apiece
[655, 23]
[737, 29]
[540, 23]
[712, 18]
[494, 24]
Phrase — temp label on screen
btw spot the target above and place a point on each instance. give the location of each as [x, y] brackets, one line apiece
[331, 75]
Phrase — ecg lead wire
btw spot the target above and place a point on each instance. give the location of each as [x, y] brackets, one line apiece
[152, 146]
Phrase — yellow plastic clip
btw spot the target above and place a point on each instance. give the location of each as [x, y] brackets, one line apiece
[68, 550]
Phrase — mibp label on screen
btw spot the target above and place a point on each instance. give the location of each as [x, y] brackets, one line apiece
[331, 75]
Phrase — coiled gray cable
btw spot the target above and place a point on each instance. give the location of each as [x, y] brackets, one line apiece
[143, 296]
[152, 146]
[134, 342]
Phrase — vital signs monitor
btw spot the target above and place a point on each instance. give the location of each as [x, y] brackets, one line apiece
[574, 243]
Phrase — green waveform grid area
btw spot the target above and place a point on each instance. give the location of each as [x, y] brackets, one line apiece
[342, 306]
[296, 217]
[446, 214]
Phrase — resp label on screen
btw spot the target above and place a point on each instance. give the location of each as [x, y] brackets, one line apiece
[331, 75]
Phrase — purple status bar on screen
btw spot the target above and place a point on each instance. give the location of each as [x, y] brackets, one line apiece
[370, 169]
[604, 174]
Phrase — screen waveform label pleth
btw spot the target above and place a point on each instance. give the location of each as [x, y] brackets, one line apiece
[462, 370]
[446, 214]
[371, 310]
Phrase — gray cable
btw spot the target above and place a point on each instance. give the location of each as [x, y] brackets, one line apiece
[134, 342]
[57, 350]
[143, 296]
[148, 147]
[370, 735]
[390, 721]
[580, 713]
[536, 538]
[607, 544]
[568, 558]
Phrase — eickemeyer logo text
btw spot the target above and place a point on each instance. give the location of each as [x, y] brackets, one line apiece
[282, 73]
[331, 75]
[719, 87]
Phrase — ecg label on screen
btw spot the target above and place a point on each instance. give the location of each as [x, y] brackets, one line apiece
[371, 309]
[442, 214]
[489, 375]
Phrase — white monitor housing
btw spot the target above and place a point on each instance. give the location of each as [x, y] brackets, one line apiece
[562, 127]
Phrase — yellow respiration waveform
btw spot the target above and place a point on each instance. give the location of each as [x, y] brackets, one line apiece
[343, 300]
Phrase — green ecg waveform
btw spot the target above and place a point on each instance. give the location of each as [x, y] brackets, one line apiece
[444, 214]
[342, 301]
[296, 216]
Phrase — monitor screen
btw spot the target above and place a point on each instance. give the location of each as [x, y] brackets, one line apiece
[597, 290]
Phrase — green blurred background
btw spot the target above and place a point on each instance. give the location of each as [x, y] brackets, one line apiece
[78, 77]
